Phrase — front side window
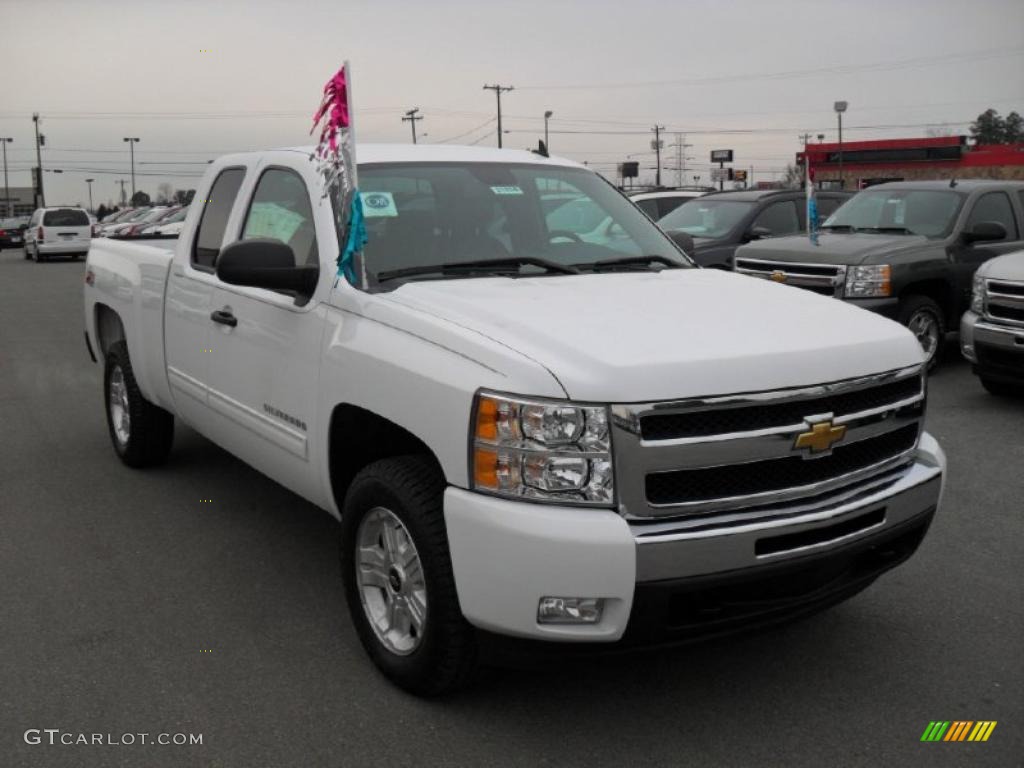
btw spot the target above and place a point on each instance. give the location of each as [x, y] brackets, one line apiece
[707, 217]
[280, 210]
[425, 214]
[901, 211]
[994, 206]
[778, 218]
[216, 210]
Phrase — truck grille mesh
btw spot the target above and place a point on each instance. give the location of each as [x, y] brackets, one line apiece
[693, 485]
[725, 420]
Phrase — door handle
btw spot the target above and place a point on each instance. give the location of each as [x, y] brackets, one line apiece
[224, 317]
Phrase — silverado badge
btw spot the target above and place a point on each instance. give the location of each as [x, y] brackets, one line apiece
[778, 276]
[820, 438]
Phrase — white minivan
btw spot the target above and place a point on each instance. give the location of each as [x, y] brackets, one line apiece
[58, 232]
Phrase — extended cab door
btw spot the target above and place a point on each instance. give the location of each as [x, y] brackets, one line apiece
[997, 206]
[266, 362]
[190, 287]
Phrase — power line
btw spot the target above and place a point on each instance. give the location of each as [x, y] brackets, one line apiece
[838, 69]
[467, 133]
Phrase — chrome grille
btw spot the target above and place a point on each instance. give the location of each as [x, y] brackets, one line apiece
[826, 279]
[714, 455]
[1004, 302]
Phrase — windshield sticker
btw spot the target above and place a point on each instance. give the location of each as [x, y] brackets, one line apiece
[273, 221]
[507, 190]
[378, 204]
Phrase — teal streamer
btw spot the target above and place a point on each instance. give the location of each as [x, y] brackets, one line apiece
[355, 240]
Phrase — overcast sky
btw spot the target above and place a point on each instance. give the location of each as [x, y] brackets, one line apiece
[197, 79]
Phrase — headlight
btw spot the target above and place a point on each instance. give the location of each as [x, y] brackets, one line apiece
[864, 282]
[978, 295]
[544, 450]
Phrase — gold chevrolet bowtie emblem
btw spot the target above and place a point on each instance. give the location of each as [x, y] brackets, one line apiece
[778, 276]
[821, 437]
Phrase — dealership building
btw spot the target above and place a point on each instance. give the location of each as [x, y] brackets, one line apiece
[865, 163]
[21, 200]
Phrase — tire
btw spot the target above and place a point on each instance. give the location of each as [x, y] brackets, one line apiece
[1001, 388]
[146, 436]
[923, 315]
[441, 656]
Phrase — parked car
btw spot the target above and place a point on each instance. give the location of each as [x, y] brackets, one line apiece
[171, 224]
[115, 218]
[12, 232]
[992, 329]
[131, 225]
[659, 203]
[720, 222]
[905, 249]
[521, 431]
[57, 232]
[155, 216]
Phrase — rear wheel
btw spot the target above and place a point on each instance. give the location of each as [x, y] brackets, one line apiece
[141, 432]
[1001, 388]
[398, 577]
[924, 317]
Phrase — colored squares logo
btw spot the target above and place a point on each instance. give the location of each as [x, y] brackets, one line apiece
[958, 730]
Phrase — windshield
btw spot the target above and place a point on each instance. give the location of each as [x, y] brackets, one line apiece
[424, 214]
[706, 217]
[66, 217]
[917, 212]
[178, 215]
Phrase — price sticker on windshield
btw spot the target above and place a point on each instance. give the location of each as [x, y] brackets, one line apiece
[507, 190]
[378, 204]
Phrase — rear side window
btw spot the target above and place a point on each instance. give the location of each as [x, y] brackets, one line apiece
[216, 210]
[66, 217]
[668, 204]
[827, 206]
[994, 206]
[650, 207]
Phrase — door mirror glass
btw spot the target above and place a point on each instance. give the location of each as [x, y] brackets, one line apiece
[267, 263]
[985, 231]
[756, 233]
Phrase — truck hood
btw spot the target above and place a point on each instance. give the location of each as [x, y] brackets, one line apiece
[631, 337]
[850, 248]
[1008, 267]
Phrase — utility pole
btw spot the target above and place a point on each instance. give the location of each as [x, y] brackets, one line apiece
[132, 141]
[7, 189]
[122, 182]
[41, 199]
[89, 182]
[411, 118]
[681, 147]
[656, 146]
[498, 89]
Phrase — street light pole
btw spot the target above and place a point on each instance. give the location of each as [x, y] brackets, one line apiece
[132, 140]
[7, 189]
[547, 116]
[840, 107]
[89, 182]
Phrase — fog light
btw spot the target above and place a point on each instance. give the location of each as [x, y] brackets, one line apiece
[569, 610]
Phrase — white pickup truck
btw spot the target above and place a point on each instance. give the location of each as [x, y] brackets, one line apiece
[523, 432]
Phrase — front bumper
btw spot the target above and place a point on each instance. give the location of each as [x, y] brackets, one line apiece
[888, 307]
[997, 351]
[506, 555]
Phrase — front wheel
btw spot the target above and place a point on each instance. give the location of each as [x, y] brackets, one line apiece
[398, 579]
[141, 432]
[1001, 388]
[924, 317]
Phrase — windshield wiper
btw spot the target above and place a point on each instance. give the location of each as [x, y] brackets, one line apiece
[838, 227]
[887, 230]
[631, 261]
[482, 266]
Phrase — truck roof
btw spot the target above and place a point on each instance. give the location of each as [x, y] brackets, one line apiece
[964, 185]
[426, 153]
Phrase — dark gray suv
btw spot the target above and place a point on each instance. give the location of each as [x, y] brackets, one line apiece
[722, 221]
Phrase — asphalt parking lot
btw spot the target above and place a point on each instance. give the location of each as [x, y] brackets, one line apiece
[128, 605]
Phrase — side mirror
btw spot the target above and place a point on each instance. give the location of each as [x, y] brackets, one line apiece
[756, 233]
[266, 263]
[684, 240]
[984, 231]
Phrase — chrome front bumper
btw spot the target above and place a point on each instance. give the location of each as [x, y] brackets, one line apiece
[685, 548]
